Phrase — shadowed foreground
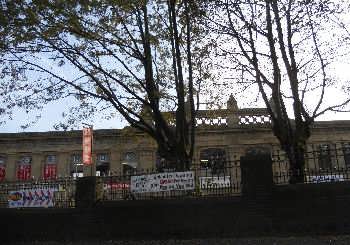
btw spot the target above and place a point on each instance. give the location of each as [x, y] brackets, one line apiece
[323, 240]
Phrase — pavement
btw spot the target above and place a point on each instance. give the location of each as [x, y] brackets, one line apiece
[317, 240]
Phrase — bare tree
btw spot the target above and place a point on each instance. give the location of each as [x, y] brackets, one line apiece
[284, 48]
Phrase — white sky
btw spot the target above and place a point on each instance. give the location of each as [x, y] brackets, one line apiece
[52, 113]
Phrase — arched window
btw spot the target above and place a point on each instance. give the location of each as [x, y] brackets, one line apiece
[50, 167]
[24, 168]
[2, 168]
[214, 159]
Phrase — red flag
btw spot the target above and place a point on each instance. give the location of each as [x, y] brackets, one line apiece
[87, 146]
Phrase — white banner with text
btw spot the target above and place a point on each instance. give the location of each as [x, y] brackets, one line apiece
[175, 181]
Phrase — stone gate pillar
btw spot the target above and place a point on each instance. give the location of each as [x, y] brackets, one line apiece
[88, 191]
[257, 178]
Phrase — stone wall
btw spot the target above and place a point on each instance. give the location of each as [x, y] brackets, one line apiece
[289, 210]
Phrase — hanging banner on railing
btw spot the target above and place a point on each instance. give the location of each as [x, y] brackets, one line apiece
[325, 178]
[214, 182]
[38, 197]
[175, 181]
[116, 186]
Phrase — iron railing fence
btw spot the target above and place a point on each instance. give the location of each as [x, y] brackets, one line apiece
[323, 163]
[214, 177]
[59, 193]
[208, 181]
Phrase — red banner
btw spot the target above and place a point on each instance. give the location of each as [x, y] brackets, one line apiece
[87, 146]
[2, 172]
[23, 172]
[50, 171]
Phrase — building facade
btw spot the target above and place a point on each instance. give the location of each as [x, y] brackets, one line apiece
[222, 136]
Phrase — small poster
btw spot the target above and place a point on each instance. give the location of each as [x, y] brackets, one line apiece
[162, 182]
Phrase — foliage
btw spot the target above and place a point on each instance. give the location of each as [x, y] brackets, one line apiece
[137, 58]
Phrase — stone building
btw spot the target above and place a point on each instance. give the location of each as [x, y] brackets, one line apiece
[222, 135]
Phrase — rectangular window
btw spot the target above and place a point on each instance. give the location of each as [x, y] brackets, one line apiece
[102, 164]
[213, 159]
[76, 166]
[51, 159]
[102, 157]
[76, 158]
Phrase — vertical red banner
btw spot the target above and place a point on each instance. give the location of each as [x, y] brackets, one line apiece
[87, 146]
[23, 172]
[28, 171]
[50, 171]
[2, 172]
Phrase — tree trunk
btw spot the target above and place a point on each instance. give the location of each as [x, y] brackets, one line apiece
[173, 158]
[296, 156]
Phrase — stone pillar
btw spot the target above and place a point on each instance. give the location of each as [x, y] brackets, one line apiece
[232, 117]
[37, 165]
[11, 163]
[88, 191]
[146, 158]
[339, 155]
[63, 164]
[115, 165]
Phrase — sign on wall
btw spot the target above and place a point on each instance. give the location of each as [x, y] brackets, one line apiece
[87, 146]
[214, 182]
[30, 198]
[162, 182]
